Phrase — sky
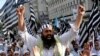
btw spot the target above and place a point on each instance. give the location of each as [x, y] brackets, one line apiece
[2, 2]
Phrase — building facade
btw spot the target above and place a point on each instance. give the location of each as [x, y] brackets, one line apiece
[59, 8]
[43, 11]
[27, 8]
[40, 9]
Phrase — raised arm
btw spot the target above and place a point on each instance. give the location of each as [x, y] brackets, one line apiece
[81, 12]
[29, 40]
[73, 32]
[21, 22]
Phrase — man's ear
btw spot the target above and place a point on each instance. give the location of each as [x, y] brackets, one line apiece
[53, 30]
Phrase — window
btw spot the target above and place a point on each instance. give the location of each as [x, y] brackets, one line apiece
[62, 9]
[62, 0]
[74, 2]
[65, 8]
[66, 5]
[77, 1]
[69, 8]
[56, 2]
[82, 0]
[58, 10]
[70, 3]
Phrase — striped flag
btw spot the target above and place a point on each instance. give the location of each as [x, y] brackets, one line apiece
[87, 28]
[64, 26]
[30, 23]
[10, 18]
[10, 15]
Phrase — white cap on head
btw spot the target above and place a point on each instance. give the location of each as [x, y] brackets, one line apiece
[46, 26]
[17, 52]
[25, 51]
[1, 51]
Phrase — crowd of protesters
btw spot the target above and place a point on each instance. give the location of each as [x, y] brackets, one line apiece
[17, 48]
[48, 44]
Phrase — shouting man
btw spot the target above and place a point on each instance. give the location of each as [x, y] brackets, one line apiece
[48, 44]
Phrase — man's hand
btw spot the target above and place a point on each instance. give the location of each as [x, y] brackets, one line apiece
[21, 22]
[81, 10]
[20, 10]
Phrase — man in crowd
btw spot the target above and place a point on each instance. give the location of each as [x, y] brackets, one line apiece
[2, 54]
[96, 49]
[86, 49]
[75, 50]
[48, 44]
[16, 53]
[26, 53]
[10, 52]
[68, 52]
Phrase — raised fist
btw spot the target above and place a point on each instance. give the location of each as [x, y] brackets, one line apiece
[20, 10]
[81, 10]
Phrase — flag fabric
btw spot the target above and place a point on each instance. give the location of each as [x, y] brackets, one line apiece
[10, 16]
[11, 19]
[31, 22]
[64, 26]
[87, 28]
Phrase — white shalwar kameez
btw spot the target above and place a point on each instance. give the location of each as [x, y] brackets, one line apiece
[65, 38]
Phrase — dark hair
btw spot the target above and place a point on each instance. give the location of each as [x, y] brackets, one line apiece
[96, 40]
[47, 43]
[74, 42]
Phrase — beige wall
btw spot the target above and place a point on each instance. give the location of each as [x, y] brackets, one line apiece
[64, 7]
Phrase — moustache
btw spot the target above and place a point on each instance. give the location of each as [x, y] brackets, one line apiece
[49, 36]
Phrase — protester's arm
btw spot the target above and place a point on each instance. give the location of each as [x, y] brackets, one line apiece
[21, 22]
[81, 12]
[22, 30]
[74, 28]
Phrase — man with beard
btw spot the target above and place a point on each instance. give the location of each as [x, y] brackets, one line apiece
[96, 49]
[48, 44]
[75, 50]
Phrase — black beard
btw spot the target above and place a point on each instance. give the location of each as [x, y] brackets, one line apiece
[76, 49]
[47, 43]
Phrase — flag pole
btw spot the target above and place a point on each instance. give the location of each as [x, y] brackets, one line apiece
[93, 37]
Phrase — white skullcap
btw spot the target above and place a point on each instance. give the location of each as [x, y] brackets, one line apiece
[17, 52]
[1, 51]
[46, 26]
[25, 51]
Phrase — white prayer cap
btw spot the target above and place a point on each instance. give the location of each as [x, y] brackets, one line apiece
[46, 26]
[1, 51]
[25, 51]
[93, 54]
[9, 45]
[17, 52]
[98, 37]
